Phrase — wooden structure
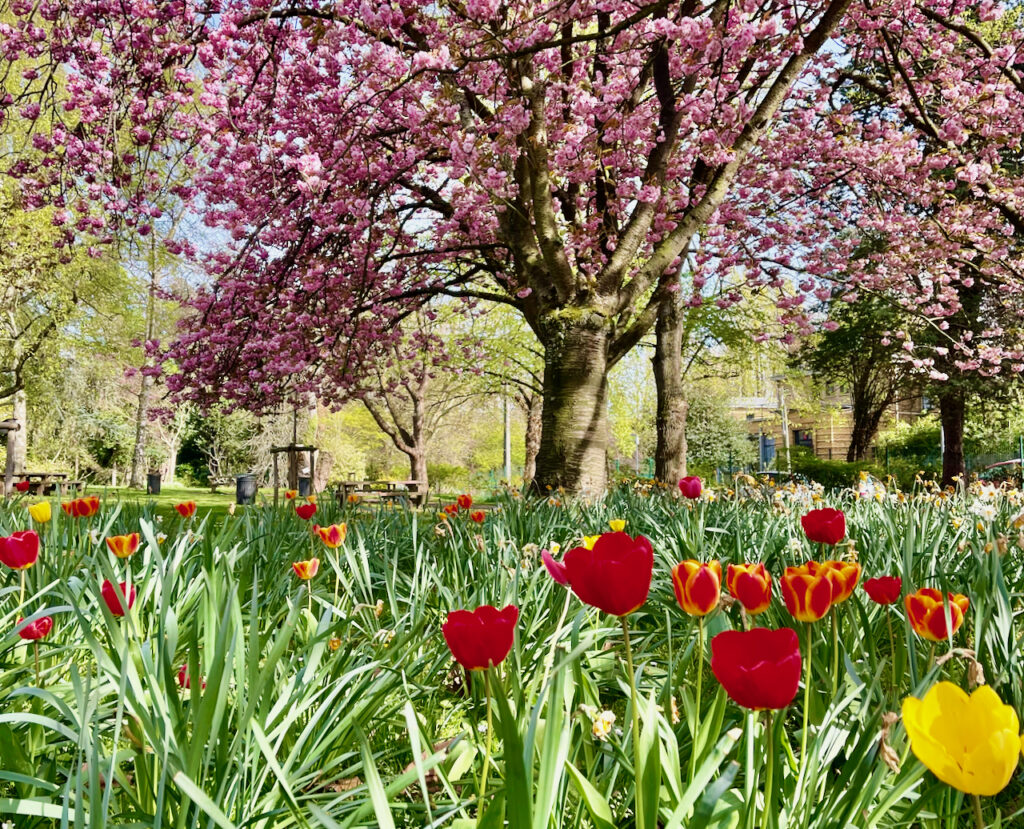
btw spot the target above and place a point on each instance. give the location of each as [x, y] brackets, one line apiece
[6, 428]
[293, 453]
[379, 492]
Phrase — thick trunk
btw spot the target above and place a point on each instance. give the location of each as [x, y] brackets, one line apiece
[138, 473]
[574, 433]
[17, 442]
[865, 426]
[670, 452]
[951, 415]
[533, 426]
[418, 472]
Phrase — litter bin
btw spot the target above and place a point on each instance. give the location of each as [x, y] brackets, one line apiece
[245, 489]
[153, 483]
[304, 487]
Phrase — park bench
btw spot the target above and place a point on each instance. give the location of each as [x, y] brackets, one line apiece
[46, 483]
[216, 481]
[383, 492]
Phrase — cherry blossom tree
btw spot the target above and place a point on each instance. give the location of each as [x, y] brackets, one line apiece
[557, 157]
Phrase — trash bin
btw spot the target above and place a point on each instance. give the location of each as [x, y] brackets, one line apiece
[153, 483]
[304, 487]
[245, 489]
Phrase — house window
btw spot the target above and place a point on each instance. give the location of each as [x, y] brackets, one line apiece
[802, 437]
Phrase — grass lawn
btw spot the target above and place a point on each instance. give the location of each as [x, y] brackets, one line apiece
[216, 503]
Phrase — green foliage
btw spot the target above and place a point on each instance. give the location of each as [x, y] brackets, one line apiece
[714, 437]
[340, 706]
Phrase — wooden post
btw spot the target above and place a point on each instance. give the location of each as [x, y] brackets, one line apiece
[312, 473]
[274, 454]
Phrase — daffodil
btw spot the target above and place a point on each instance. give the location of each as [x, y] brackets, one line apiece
[972, 743]
[617, 525]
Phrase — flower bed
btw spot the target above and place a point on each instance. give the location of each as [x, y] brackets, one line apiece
[736, 658]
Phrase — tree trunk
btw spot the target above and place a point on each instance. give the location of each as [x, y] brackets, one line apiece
[670, 452]
[951, 416]
[418, 472]
[574, 432]
[17, 442]
[170, 464]
[865, 426]
[139, 470]
[533, 425]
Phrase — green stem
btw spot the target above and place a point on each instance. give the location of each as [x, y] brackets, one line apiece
[637, 786]
[892, 648]
[835, 652]
[309, 595]
[487, 744]
[768, 816]
[749, 778]
[697, 697]
[21, 602]
[807, 703]
[977, 811]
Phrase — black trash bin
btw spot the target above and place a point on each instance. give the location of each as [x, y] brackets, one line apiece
[153, 483]
[304, 487]
[245, 489]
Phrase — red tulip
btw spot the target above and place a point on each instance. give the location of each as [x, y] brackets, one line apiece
[807, 591]
[691, 487]
[481, 638]
[698, 587]
[926, 613]
[124, 546]
[844, 575]
[614, 576]
[20, 550]
[759, 668]
[291, 494]
[305, 570]
[884, 589]
[114, 596]
[187, 509]
[477, 515]
[23, 486]
[464, 501]
[306, 511]
[750, 585]
[332, 536]
[824, 526]
[38, 629]
[89, 506]
[184, 681]
[555, 568]
[451, 509]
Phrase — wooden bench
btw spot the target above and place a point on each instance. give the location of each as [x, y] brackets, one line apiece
[382, 492]
[220, 480]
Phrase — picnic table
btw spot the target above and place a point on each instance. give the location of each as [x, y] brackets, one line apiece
[43, 483]
[383, 491]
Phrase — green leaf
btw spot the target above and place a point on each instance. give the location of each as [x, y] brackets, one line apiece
[597, 806]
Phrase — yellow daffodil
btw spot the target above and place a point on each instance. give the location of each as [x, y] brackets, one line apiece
[972, 743]
[590, 540]
[41, 512]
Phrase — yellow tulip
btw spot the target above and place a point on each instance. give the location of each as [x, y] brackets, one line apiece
[41, 512]
[617, 525]
[970, 742]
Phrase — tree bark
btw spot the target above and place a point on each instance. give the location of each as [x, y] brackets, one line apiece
[17, 442]
[137, 480]
[533, 427]
[574, 431]
[670, 452]
[951, 416]
[865, 426]
[171, 464]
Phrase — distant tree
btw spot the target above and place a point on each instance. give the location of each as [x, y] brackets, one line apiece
[854, 353]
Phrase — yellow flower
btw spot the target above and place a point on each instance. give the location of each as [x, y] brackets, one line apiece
[41, 512]
[617, 525]
[590, 540]
[970, 742]
[555, 548]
